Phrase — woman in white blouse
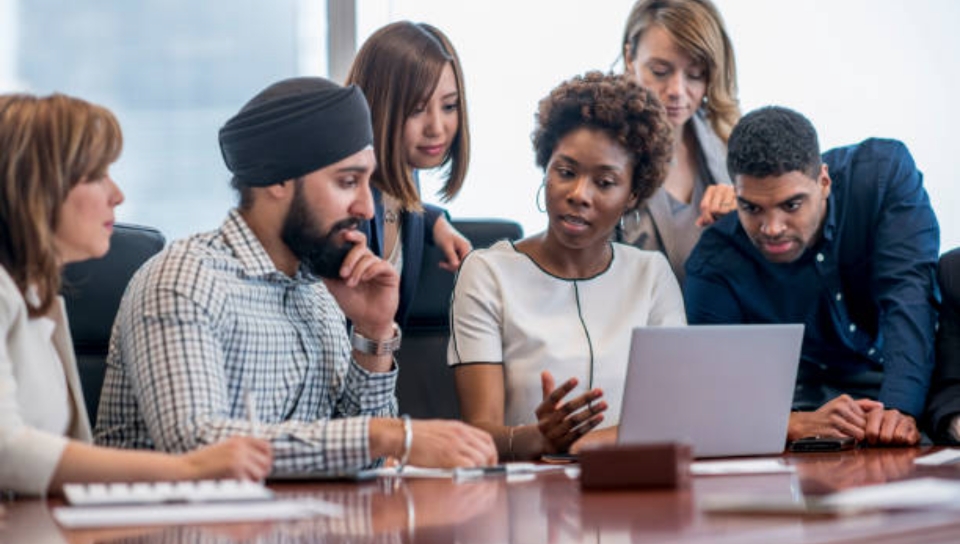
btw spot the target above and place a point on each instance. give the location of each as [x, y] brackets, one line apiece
[56, 207]
[563, 302]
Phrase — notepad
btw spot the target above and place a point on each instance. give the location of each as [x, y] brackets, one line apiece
[99, 494]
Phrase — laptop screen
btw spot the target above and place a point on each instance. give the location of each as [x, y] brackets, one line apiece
[724, 389]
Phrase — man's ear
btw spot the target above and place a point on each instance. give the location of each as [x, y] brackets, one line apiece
[824, 180]
[280, 191]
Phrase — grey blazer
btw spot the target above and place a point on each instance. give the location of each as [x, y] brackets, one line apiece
[29, 456]
[650, 228]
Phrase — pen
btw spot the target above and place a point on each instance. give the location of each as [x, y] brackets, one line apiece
[251, 413]
[510, 468]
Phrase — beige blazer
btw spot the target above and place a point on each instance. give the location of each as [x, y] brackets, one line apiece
[29, 456]
[650, 228]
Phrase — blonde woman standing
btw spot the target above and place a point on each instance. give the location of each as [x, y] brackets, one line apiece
[679, 49]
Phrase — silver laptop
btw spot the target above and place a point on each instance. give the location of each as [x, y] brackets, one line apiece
[724, 389]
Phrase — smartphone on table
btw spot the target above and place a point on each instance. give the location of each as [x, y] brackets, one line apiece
[822, 443]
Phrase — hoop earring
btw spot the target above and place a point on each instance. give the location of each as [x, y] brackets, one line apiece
[536, 199]
[620, 231]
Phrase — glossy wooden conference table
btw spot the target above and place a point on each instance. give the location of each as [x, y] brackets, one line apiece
[551, 508]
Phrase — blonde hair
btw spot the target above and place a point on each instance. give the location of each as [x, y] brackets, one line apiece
[398, 68]
[698, 29]
[50, 144]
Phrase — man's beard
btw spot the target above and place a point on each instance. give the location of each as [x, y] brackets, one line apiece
[318, 251]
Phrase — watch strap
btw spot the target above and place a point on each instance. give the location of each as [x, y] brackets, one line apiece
[368, 346]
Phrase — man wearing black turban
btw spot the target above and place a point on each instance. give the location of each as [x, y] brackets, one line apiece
[231, 332]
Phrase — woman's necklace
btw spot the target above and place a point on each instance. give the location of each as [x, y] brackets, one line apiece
[391, 227]
[391, 215]
[391, 209]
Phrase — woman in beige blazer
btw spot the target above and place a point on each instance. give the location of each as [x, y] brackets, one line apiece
[56, 207]
[680, 50]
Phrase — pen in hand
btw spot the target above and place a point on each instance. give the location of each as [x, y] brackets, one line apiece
[252, 418]
[251, 408]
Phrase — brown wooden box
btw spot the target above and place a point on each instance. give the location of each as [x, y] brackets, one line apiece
[636, 466]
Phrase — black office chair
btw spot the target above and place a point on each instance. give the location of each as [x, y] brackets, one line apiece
[425, 387]
[92, 291]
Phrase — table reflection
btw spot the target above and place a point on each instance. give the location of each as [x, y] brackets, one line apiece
[386, 511]
[547, 508]
[822, 473]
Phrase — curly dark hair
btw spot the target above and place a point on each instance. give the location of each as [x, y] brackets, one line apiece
[773, 141]
[631, 115]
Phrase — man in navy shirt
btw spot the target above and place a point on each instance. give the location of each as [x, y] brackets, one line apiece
[846, 244]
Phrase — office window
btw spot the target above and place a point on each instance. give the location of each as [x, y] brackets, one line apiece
[173, 71]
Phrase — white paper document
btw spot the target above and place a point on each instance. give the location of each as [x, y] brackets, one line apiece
[728, 467]
[908, 494]
[74, 517]
[947, 456]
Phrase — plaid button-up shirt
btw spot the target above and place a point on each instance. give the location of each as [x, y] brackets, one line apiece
[210, 318]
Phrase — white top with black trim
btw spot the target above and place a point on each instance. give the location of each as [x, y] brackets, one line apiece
[506, 309]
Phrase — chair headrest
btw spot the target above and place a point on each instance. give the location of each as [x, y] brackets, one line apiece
[92, 289]
[431, 304]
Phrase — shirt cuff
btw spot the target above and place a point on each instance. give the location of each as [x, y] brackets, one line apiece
[374, 391]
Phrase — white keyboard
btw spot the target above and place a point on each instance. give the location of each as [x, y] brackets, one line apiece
[165, 492]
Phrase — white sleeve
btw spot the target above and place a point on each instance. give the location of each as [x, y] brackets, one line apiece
[476, 314]
[667, 308]
[28, 456]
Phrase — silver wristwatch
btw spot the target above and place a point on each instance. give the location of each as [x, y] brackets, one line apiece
[376, 347]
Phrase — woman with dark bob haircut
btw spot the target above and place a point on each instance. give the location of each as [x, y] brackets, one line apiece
[564, 302]
[411, 76]
[56, 207]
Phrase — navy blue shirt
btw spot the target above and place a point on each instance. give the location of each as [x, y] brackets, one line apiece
[866, 290]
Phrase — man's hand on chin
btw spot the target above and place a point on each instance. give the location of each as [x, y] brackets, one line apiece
[368, 290]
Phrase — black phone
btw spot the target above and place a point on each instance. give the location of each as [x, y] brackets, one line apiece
[822, 443]
[559, 458]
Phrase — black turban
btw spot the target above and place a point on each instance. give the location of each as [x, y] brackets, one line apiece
[294, 127]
